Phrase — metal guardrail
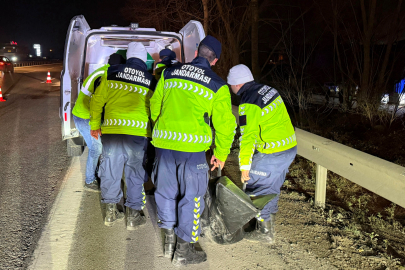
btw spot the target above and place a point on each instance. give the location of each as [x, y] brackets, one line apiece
[33, 63]
[375, 174]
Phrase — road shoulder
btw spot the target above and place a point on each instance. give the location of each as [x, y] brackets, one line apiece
[53, 248]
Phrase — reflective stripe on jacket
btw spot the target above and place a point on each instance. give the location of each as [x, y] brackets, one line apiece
[264, 123]
[185, 99]
[82, 105]
[125, 92]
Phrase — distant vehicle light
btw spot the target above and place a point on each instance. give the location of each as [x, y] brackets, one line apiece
[14, 58]
[385, 98]
[1, 63]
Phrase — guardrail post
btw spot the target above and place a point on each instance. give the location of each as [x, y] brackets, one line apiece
[320, 186]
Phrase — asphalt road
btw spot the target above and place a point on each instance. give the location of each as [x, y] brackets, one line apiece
[76, 238]
[33, 160]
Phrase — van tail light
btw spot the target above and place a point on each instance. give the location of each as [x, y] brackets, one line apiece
[65, 117]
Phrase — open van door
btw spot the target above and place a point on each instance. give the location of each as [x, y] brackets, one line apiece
[192, 34]
[71, 78]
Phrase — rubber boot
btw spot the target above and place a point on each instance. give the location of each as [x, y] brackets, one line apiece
[112, 214]
[134, 219]
[264, 231]
[170, 243]
[186, 254]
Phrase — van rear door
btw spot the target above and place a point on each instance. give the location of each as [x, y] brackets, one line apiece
[192, 34]
[71, 79]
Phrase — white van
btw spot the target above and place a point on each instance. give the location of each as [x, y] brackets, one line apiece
[88, 49]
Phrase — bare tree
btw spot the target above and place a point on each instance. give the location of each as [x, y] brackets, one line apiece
[277, 24]
[226, 20]
[368, 17]
[255, 38]
[292, 78]
[232, 44]
[363, 42]
[206, 15]
[391, 38]
[163, 14]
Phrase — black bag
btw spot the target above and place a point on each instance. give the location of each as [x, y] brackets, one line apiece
[228, 209]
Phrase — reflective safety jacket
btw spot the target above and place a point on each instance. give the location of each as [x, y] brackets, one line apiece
[82, 106]
[185, 98]
[126, 93]
[159, 69]
[167, 62]
[264, 123]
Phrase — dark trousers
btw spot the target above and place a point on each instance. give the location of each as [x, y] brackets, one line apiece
[181, 180]
[267, 175]
[123, 153]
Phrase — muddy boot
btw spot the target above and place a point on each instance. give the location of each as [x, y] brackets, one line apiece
[186, 254]
[93, 186]
[112, 214]
[170, 243]
[134, 219]
[264, 231]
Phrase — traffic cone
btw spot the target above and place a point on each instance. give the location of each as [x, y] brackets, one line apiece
[48, 79]
[1, 96]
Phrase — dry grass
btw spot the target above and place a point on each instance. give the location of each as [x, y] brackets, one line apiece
[353, 210]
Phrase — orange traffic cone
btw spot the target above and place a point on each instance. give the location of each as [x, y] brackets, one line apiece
[48, 79]
[1, 96]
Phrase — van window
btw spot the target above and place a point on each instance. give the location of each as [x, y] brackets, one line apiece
[101, 46]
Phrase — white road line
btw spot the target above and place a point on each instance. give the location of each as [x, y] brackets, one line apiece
[53, 248]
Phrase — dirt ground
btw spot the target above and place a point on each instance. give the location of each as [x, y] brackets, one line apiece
[338, 237]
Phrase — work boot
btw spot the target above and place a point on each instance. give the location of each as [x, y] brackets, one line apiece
[112, 214]
[93, 186]
[134, 219]
[170, 243]
[186, 254]
[264, 231]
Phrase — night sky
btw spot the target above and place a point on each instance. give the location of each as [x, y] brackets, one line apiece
[46, 22]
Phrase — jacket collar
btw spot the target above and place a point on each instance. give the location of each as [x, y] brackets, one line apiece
[201, 62]
[136, 62]
[245, 87]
